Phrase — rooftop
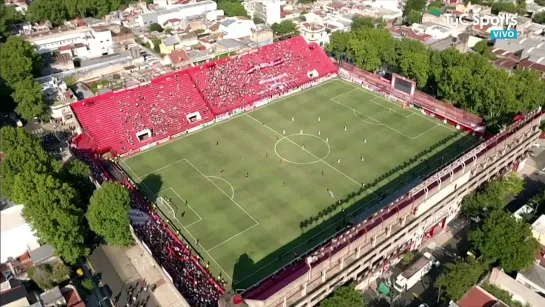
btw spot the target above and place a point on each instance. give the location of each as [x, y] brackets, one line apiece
[535, 274]
[477, 297]
[17, 237]
[51, 296]
[539, 225]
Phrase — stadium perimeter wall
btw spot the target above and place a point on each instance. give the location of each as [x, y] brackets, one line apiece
[365, 251]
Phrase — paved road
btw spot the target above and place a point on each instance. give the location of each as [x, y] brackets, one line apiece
[121, 285]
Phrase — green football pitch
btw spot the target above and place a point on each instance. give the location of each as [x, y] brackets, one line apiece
[251, 193]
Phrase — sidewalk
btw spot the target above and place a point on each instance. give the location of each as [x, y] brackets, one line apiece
[124, 269]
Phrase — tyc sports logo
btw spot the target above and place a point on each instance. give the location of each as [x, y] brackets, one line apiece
[500, 27]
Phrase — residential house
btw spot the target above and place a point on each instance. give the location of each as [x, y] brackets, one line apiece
[533, 278]
[314, 33]
[177, 59]
[169, 44]
[89, 42]
[53, 298]
[519, 291]
[189, 39]
[262, 35]
[13, 294]
[267, 10]
[228, 45]
[173, 23]
[17, 237]
[181, 12]
[237, 27]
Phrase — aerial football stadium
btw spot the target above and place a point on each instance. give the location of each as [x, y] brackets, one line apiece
[271, 177]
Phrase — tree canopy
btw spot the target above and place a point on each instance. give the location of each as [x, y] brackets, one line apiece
[345, 296]
[504, 240]
[108, 214]
[8, 16]
[46, 275]
[232, 8]
[539, 17]
[285, 29]
[19, 63]
[493, 196]
[467, 81]
[59, 11]
[155, 27]
[457, 278]
[414, 17]
[52, 202]
[414, 5]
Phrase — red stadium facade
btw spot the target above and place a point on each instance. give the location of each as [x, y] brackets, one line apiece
[137, 118]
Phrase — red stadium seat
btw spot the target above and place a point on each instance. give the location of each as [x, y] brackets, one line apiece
[112, 120]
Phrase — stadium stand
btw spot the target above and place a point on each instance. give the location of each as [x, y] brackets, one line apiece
[234, 82]
[124, 121]
[193, 281]
[162, 106]
[127, 120]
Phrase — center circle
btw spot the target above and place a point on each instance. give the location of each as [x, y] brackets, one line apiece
[302, 148]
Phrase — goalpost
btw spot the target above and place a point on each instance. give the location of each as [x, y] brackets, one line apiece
[165, 206]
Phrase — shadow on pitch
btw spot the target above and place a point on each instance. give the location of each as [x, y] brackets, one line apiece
[358, 204]
[151, 185]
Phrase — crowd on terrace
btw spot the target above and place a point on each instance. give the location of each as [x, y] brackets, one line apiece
[193, 281]
[274, 69]
[164, 105]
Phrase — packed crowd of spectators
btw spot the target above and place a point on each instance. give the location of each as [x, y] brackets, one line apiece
[56, 142]
[177, 102]
[190, 278]
[274, 69]
[193, 281]
[186, 274]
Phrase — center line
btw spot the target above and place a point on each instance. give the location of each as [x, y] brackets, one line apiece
[318, 158]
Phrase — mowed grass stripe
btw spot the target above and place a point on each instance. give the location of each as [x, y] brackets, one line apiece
[278, 194]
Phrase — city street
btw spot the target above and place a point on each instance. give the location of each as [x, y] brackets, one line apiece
[116, 284]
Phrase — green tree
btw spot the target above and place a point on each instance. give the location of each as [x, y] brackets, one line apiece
[359, 23]
[503, 7]
[41, 276]
[481, 46]
[46, 276]
[286, 29]
[345, 296]
[408, 258]
[7, 104]
[23, 154]
[413, 60]
[60, 272]
[337, 43]
[8, 17]
[539, 17]
[29, 97]
[414, 5]
[155, 27]
[232, 8]
[258, 20]
[42, 10]
[493, 196]
[88, 284]
[459, 277]
[19, 60]
[77, 175]
[414, 17]
[51, 211]
[15, 68]
[505, 240]
[108, 214]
